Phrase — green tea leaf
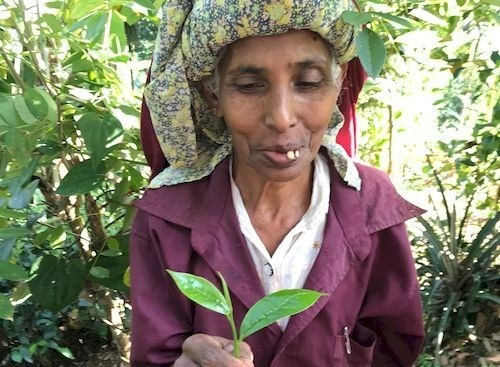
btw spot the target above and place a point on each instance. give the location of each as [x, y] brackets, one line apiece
[126, 277]
[11, 214]
[112, 253]
[23, 197]
[146, 3]
[355, 17]
[82, 178]
[23, 110]
[201, 291]
[53, 236]
[6, 308]
[15, 232]
[20, 294]
[396, 19]
[99, 272]
[7, 112]
[58, 282]
[371, 51]
[66, 352]
[6, 248]
[85, 8]
[275, 306]
[116, 265]
[100, 133]
[12, 272]
[36, 104]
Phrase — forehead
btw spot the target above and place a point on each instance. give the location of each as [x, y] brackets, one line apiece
[287, 48]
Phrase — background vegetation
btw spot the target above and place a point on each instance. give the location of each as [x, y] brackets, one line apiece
[70, 164]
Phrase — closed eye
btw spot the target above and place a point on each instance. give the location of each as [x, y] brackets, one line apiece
[308, 85]
[249, 88]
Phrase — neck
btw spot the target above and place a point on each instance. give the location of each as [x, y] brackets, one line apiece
[271, 199]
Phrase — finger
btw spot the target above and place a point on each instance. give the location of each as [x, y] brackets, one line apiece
[208, 351]
[245, 351]
[184, 361]
[205, 350]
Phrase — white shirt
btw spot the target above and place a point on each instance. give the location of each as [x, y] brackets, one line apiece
[292, 261]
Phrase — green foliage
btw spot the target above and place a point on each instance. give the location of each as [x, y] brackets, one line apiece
[263, 313]
[275, 306]
[458, 273]
[70, 163]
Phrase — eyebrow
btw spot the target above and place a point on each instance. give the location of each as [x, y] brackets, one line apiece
[249, 69]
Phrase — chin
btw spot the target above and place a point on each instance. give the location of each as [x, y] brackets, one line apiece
[284, 175]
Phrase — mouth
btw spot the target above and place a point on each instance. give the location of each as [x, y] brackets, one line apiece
[293, 154]
[282, 157]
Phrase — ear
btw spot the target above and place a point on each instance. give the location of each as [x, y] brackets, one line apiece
[208, 92]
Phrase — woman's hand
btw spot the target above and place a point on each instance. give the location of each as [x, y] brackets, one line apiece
[212, 351]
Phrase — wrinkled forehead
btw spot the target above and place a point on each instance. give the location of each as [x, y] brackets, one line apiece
[293, 48]
[212, 25]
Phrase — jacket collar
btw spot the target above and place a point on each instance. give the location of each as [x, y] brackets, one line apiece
[206, 207]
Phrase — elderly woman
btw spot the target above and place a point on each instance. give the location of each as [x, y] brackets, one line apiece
[243, 99]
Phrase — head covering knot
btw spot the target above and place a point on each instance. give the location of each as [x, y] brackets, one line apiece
[190, 37]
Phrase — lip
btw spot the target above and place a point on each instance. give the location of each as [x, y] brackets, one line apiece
[277, 156]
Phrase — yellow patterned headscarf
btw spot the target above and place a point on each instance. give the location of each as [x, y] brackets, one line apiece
[191, 34]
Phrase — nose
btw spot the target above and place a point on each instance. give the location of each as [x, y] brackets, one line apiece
[280, 114]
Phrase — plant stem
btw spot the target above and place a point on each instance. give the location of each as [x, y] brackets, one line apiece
[236, 340]
[230, 317]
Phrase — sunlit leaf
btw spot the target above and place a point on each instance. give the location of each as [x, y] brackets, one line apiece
[146, 3]
[7, 111]
[275, 306]
[24, 111]
[428, 17]
[20, 294]
[126, 277]
[371, 51]
[11, 214]
[118, 37]
[201, 291]
[99, 133]
[53, 22]
[86, 7]
[14, 232]
[355, 17]
[396, 19]
[6, 308]
[36, 104]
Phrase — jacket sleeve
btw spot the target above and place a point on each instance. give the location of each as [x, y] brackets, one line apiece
[392, 306]
[160, 317]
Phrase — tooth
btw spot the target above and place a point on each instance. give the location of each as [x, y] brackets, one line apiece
[290, 154]
[297, 154]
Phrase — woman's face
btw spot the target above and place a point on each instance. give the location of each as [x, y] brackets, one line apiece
[277, 95]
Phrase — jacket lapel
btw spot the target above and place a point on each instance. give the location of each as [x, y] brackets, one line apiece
[216, 237]
[345, 235]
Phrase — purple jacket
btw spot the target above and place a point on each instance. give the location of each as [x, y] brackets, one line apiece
[365, 265]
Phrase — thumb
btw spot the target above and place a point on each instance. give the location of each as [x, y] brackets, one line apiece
[245, 350]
